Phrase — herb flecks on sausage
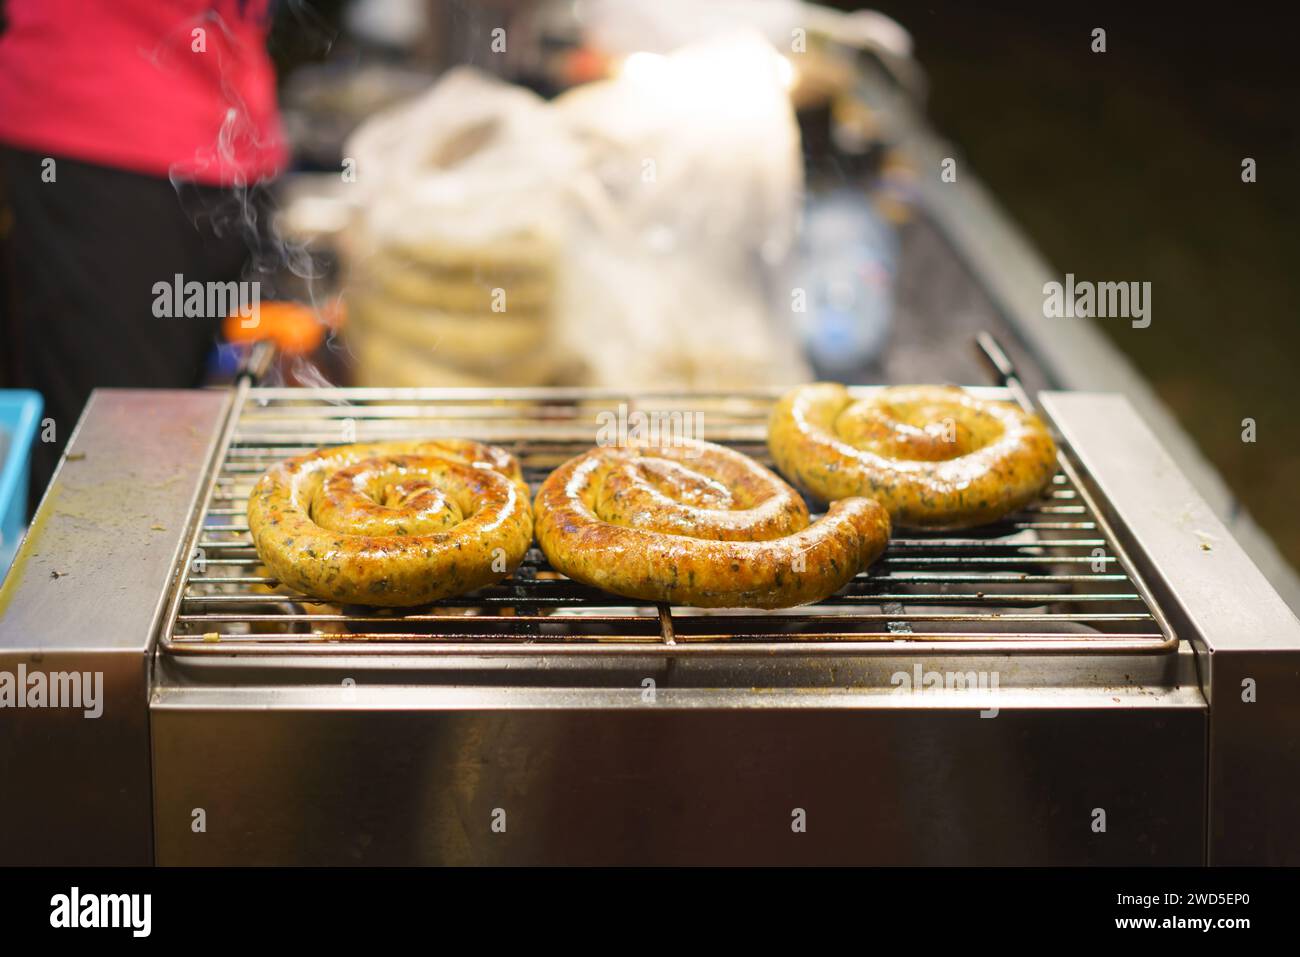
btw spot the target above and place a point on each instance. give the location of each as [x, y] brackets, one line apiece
[935, 456]
[699, 524]
[392, 523]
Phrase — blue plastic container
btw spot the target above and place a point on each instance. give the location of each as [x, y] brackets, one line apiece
[20, 412]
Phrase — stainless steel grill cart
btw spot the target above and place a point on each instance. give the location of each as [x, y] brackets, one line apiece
[1102, 678]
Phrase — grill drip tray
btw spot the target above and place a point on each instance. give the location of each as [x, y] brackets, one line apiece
[1050, 579]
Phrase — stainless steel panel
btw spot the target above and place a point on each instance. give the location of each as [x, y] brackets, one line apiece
[1247, 638]
[403, 760]
[85, 594]
[666, 785]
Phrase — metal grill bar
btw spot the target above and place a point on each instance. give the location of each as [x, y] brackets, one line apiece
[1049, 579]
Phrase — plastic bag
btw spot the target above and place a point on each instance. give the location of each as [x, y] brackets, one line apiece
[452, 258]
[634, 233]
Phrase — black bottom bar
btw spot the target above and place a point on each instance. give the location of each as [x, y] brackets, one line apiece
[308, 905]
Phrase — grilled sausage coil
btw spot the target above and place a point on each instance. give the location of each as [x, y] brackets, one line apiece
[699, 524]
[392, 523]
[935, 456]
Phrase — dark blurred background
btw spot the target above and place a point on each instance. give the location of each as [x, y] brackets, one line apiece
[1127, 166]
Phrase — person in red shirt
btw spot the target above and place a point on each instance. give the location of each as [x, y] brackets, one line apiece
[136, 140]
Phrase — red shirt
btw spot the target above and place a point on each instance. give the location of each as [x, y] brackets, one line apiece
[131, 84]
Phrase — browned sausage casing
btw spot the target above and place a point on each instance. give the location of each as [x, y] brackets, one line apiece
[935, 456]
[392, 523]
[699, 524]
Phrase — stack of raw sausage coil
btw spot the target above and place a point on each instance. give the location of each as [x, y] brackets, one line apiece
[457, 313]
[691, 523]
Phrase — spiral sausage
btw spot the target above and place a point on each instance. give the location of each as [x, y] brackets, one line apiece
[392, 523]
[935, 456]
[699, 524]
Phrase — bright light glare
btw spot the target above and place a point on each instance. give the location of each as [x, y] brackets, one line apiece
[785, 72]
[645, 68]
[736, 73]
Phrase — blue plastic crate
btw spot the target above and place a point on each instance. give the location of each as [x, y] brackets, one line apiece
[20, 412]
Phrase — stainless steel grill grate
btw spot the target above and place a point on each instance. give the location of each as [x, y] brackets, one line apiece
[1051, 578]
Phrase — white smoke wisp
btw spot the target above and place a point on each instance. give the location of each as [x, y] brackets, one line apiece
[244, 207]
